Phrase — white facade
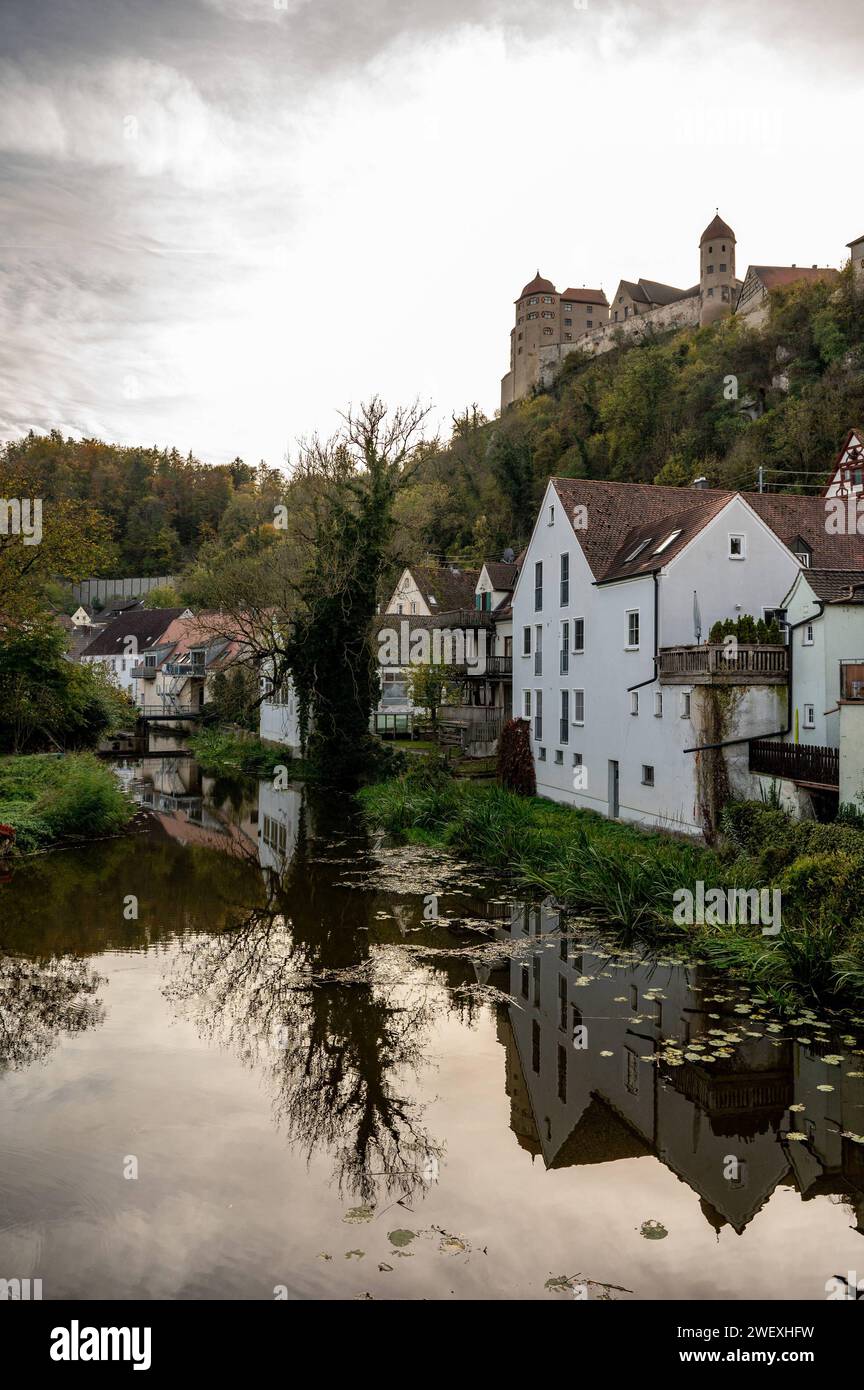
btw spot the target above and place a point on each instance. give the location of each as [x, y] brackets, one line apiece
[278, 716]
[598, 742]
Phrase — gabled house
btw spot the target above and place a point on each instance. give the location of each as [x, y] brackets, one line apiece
[848, 475]
[425, 590]
[619, 588]
[760, 280]
[123, 646]
[822, 753]
[474, 640]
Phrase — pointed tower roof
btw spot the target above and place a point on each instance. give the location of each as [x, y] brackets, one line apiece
[538, 286]
[717, 228]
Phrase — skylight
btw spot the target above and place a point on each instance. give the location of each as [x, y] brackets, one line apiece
[673, 535]
[638, 551]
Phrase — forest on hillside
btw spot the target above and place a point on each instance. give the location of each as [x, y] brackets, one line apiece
[720, 401]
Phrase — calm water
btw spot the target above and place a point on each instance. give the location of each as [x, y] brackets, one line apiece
[318, 1062]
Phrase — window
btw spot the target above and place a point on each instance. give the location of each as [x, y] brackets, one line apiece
[709, 269]
[673, 535]
[578, 635]
[803, 558]
[565, 580]
[808, 635]
[685, 704]
[737, 547]
[577, 759]
[658, 704]
[809, 717]
[534, 314]
[538, 650]
[633, 628]
[541, 755]
[722, 267]
[526, 703]
[634, 701]
[538, 718]
[565, 721]
[638, 551]
[647, 775]
[548, 332]
[631, 1079]
[564, 654]
[724, 292]
[588, 323]
[546, 299]
[538, 586]
[710, 292]
[551, 521]
[526, 641]
[566, 306]
[562, 1074]
[578, 706]
[533, 300]
[559, 756]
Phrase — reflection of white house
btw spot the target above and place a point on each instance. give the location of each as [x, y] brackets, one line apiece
[618, 590]
[575, 1106]
[278, 715]
[278, 825]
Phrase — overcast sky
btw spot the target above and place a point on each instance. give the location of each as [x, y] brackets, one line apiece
[222, 220]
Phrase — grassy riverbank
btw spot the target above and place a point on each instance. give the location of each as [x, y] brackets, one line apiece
[50, 800]
[626, 877]
[232, 753]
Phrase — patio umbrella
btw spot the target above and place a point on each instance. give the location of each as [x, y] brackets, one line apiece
[697, 618]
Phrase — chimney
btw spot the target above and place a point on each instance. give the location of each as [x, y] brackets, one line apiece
[701, 481]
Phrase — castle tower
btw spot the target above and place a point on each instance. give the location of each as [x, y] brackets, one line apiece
[717, 284]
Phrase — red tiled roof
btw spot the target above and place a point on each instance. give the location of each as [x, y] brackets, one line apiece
[773, 276]
[620, 515]
[716, 228]
[584, 296]
[538, 286]
[836, 586]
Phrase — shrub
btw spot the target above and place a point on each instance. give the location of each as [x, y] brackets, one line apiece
[515, 759]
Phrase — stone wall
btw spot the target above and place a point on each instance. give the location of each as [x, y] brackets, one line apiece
[684, 313]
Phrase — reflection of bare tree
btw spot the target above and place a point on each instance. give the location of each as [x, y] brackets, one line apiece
[39, 1000]
[294, 988]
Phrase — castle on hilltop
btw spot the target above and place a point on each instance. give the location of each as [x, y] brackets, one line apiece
[550, 325]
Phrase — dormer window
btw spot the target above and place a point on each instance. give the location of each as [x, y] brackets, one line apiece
[803, 558]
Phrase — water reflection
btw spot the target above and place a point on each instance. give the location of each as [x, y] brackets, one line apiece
[720, 1125]
[297, 944]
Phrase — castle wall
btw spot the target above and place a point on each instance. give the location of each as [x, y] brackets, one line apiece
[684, 313]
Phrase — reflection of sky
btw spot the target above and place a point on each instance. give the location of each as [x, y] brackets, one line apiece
[225, 1206]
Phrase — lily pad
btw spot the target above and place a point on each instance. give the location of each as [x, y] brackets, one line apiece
[653, 1230]
[401, 1238]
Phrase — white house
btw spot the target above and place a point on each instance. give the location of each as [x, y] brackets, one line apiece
[278, 714]
[619, 586]
[122, 646]
[825, 613]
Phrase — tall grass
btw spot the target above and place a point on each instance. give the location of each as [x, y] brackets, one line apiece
[626, 877]
[50, 800]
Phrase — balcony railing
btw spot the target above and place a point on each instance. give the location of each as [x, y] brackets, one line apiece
[143, 672]
[852, 680]
[807, 763]
[724, 663]
[184, 668]
[485, 668]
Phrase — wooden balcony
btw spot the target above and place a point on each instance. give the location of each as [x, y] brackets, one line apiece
[492, 668]
[807, 764]
[723, 664]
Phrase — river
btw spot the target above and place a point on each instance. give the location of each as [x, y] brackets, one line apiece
[253, 1051]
